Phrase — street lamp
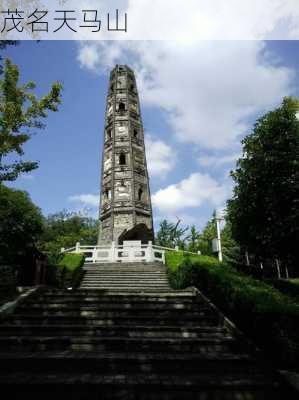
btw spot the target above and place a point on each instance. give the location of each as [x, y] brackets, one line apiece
[217, 242]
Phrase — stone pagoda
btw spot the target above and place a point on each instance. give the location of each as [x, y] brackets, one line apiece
[125, 207]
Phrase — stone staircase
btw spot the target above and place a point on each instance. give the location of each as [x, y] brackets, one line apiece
[126, 335]
[125, 277]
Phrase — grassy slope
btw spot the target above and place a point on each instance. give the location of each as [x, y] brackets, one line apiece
[72, 261]
[264, 313]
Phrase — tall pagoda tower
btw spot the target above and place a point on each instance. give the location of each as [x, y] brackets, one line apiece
[125, 206]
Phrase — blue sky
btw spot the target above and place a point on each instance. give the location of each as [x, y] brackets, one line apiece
[198, 100]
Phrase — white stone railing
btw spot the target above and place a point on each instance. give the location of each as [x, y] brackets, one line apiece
[131, 251]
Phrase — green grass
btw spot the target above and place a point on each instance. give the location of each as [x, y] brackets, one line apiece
[265, 314]
[175, 258]
[68, 272]
[71, 261]
[289, 287]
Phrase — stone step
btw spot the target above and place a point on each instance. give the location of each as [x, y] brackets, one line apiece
[123, 265]
[116, 287]
[86, 362]
[150, 293]
[126, 269]
[117, 330]
[140, 291]
[126, 272]
[102, 299]
[169, 320]
[155, 275]
[116, 344]
[102, 295]
[115, 314]
[98, 305]
[146, 386]
[126, 278]
[113, 304]
[127, 283]
[109, 389]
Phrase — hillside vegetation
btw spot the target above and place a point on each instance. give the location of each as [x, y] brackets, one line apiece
[266, 315]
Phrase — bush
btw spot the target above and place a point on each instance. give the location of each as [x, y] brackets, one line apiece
[175, 258]
[7, 283]
[267, 316]
[288, 287]
[69, 270]
[21, 224]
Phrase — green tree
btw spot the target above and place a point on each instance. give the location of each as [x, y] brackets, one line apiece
[230, 249]
[3, 45]
[193, 240]
[171, 235]
[21, 112]
[264, 212]
[205, 238]
[65, 229]
[21, 224]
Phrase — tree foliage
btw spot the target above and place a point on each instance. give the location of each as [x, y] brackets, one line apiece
[171, 235]
[21, 224]
[264, 209]
[3, 45]
[192, 240]
[230, 249]
[204, 243]
[65, 229]
[21, 112]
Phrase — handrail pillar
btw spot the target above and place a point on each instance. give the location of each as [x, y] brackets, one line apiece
[113, 251]
[150, 256]
[94, 255]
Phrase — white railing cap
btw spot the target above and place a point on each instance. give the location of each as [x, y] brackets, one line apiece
[132, 243]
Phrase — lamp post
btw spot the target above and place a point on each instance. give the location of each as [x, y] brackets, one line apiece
[218, 219]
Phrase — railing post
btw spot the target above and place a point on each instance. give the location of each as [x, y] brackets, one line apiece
[78, 247]
[163, 256]
[94, 255]
[150, 256]
[62, 250]
[176, 248]
[113, 254]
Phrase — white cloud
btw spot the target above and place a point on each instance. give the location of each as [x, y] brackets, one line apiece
[217, 161]
[27, 177]
[86, 199]
[191, 193]
[207, 90]
[186, 219]
[213, 19]
[88, 57]
[160, 157]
